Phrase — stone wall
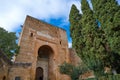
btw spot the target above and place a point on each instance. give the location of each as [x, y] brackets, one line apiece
[3, 71]
[4, 66]
[74, 58]
[20, 70]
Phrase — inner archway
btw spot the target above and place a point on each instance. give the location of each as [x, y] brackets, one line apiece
[39, 74]
[45, 61]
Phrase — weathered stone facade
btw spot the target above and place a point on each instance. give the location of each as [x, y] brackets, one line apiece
[4, 66]
[74, 58]
[43, 48]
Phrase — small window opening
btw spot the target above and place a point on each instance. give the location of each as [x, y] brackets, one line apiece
[31, 34]
[60, 42]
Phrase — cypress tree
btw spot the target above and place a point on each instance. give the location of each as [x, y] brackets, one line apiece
[93, 50]
[97, 45]
[107, 12]
[75, 27]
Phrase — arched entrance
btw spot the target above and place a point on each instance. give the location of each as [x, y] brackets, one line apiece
[39, 74]
[44, 61]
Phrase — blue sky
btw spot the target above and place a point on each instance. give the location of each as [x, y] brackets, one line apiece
[55, 12]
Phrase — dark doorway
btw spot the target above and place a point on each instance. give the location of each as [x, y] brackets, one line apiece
[39, 74]
[4, 78]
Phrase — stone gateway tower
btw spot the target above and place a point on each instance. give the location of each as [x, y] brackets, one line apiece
[45, 47]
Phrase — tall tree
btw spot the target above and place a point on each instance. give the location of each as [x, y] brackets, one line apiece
[107, 12]
[86, 37]
[97, 44]
[93, 49]
[8, 42]
[75, 26]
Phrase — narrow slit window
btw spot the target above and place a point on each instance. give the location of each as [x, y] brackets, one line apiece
[31, 34]
[60, 42]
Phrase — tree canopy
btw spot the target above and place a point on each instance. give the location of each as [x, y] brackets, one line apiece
[96, 34]
[8, 42]
[107, 13]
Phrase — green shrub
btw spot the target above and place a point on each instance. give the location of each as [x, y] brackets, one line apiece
[107, 77]
[73, 71]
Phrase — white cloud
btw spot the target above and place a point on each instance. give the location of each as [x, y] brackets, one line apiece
[70, 44]
[13, 13]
